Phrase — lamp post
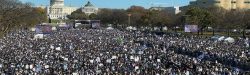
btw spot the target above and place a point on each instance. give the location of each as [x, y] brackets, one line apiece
[186, 19]
[244, 26]
[129, 18]
[49, 18]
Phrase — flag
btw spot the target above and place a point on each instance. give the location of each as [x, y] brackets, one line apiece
[200, 57]
[120, 40]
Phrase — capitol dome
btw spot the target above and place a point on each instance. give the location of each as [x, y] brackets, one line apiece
[56, 2]
[59, 0]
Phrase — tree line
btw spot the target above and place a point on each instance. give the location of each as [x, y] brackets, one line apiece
[215, 17]
[219, 19]
[15, 14]
[139, 16]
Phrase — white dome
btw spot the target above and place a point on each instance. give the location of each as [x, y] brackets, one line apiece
[59, 0]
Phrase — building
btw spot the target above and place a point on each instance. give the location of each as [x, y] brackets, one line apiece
[158, 8]
[226, 4]
[89, 9]
[174, 10]
[41, 6]
[57, 10]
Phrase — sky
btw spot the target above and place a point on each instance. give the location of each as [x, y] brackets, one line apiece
[123, 4]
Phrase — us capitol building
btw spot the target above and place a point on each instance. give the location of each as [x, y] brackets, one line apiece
[57, 9]
[226, 4]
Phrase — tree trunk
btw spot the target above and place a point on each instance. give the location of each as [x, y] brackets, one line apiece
[213, 31]
[243, 33]
[198, 33]
[201, 31]
[175, 30]
[228, 32]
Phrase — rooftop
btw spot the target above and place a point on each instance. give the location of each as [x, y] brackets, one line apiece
[89, 4]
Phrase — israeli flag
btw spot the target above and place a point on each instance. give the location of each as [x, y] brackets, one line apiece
[200, 57]
[236, 71]
[65, 66]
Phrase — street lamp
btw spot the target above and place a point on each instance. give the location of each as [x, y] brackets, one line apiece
[49, 18]
[185, 19]
[129, 18]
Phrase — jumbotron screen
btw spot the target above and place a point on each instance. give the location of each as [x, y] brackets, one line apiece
[43, 29]
[191, 28]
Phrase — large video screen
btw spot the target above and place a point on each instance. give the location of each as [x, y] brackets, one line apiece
[95, 24]
[43, 29]
[191, 28]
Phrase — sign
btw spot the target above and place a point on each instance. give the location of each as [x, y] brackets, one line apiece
[87, 24]
[191, 28]
[43, 29]
[95, 23]
[63, 27]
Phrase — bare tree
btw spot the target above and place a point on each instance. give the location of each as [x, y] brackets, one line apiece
[15, 14]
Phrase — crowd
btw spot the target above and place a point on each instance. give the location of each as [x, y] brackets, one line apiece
[101, 51]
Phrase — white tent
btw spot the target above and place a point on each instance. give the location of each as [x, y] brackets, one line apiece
[129, 28]
[229, 39]
[216, 37]
[53, 28]
[221, 38]
[165, 28]
[33, 29]
[110, 28]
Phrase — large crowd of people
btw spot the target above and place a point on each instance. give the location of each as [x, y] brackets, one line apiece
[102, 51]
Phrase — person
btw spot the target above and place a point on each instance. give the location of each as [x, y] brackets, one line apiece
[101, 51]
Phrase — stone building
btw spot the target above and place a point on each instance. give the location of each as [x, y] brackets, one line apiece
[226, 4]
[89, 9]
[57, 10]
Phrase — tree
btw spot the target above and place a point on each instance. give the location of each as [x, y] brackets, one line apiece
[232, 20]
[137, 13]
[92, 16]
[15, 14]
[201, 17]
[246, 22]
[78, 15]
[160, 18]
[112, 16]
[218, 14]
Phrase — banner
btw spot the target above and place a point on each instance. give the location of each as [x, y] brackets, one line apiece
[43, 29]
[191, 28]
[95, 23]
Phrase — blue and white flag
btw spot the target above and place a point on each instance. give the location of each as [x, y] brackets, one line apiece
[200, 57]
